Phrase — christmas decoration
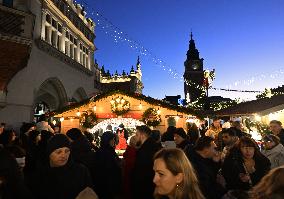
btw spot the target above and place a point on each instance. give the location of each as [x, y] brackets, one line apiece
[262, 128]
[138, 96]
[88, 120]
[119, 106]
[151, 117]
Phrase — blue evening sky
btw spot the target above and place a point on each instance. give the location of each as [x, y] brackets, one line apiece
[243, 40]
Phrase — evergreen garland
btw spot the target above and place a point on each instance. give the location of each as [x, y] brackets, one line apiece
[88, 120]
[151, 118]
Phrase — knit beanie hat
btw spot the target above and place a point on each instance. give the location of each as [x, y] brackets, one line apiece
[181, 133]
[56, 142]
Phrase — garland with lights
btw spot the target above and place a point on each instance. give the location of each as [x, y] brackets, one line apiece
[262, 128]
[153, 101]
[107, 26]
[119, 106]
[88, 120]
[151, 117]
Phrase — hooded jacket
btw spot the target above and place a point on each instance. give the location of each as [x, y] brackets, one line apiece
[275, 155]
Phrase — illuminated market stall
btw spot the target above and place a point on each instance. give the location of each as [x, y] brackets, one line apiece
[130, 109]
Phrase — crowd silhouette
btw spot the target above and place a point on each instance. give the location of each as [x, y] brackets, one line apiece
[193, 163]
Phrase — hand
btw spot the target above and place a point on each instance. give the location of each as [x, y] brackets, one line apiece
[244, 177]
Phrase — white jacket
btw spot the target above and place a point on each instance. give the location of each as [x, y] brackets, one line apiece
[275, 155]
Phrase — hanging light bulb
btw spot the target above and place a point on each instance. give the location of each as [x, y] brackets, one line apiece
[122, 100]
[159, 111]
[140, 106]
[95, 108]
[112, 101]
[54, 122]
[61, 119]
[78, 113]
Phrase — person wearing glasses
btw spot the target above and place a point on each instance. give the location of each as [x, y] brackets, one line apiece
[273, 150]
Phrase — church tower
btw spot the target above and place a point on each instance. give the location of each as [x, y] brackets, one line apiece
[193, 74]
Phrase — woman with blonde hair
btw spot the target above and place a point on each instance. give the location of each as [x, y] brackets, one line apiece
[174, 176]
[271, 185]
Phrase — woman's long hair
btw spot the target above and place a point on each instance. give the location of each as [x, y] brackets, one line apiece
[177, 162]
[271, 185]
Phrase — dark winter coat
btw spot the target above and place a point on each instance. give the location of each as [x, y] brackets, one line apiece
[13, 186]
[107, 177]
[184, 144]
[83, 153]
[206, 171]
[143, 174]
[233, 166]
[61, 182]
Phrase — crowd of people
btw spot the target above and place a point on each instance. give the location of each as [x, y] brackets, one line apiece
[213, 163]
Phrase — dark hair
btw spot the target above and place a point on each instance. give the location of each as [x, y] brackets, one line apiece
[42, 118]
[16, 151]
[276, 122]
[236, 124]
[45, 136]
[144, 129]
[230, 131]
[33, 135]
[203, 142]
[181, 133]
[249, 142]
[171, 129]
[7, 136]
[74, 133]
[156, 135]
[89, 136]
[106, 138]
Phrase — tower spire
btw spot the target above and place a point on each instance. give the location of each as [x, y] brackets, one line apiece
[192, 52]
[138, 64]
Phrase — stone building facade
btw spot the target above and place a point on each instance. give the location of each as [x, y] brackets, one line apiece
[46, 57]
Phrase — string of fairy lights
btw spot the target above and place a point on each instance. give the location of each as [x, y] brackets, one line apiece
[106, 26]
